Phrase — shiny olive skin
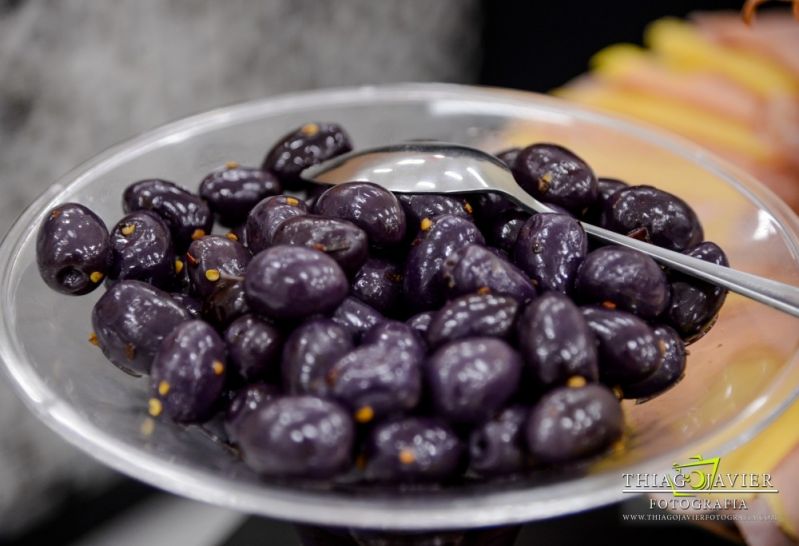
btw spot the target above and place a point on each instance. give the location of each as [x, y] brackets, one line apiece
[628, 349]
[188, 372]
[246, 400]
[186, 214]
[413, 449]
[472, 315]
[668, 221]
[556, 175]
[303, 147]
[487, 205]
[508, 156]
[297, 437]
[372, 208]
[212, 258]
[396, 335]
[292, 282]
[379, 283]
[130, 321]
[668, 373]
[550, 248]
[606, 188]
[356, 316]
[695, 304]
[569, 424]
[471, 379]
[376, 380]
[624, 277]
[73, 250]
[226, 303]
[233, 190]
[309, 352]
[421, 322]
[475, 268]
[423, 283]
[266, 217]
[503, 229]
[419, 206]
[341, 240]
[142, 250]
[254, 348]
[498, 446]
[556, 342]
[190, 303]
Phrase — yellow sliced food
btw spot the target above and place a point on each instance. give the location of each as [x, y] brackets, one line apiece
[685, 120]
[683, 47]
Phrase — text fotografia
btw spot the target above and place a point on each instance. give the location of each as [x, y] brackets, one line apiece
[700, 476]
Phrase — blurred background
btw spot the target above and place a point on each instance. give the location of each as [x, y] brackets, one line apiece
[77, 76]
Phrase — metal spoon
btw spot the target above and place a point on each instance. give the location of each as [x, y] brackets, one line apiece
[439, 167]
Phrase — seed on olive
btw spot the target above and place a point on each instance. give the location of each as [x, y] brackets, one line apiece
[142, 250]
[212, 258]
[419, 206]
[188, 373]
[73, 250]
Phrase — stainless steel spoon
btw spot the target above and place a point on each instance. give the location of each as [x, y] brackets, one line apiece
[440, 167]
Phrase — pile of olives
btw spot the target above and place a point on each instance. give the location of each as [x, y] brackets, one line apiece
[346, 330]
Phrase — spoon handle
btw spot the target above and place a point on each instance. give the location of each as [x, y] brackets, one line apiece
[776, 294]
[773, 293]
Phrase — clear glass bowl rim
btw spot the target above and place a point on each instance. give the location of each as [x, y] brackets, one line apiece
[399, 512]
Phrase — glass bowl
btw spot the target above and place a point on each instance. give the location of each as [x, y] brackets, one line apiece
[739, 377]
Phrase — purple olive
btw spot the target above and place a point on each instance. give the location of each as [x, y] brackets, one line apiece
[142, 250]
[291, 282]
[421, 322]
[472, 379]
[569, 424]
[377, 380]
[556, 175]
[232, 191]
[226, 303]
[213, 258]
[625, 279]
[472, 315]
[303, 147]
[356, 317]
[379, 284]
[503, 229]
[412, 450]
[188, 373]
[606, 187]
[73, 250]
[131, 319]
[508, 156]
[254, 348]
[297, 437]
[550, 248]
[186, 214]
[655, 215]
[419, 206]
[341, 240]
[474, 268]
[556, 342]
[397, 335]
[267, 216]
[372, 208]
[668, 373]
[192, 305]
[628, 349]
[487, 205]
[498, 447]
[246, 400]
[695, 304]
[423, 283]
[309, 352]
